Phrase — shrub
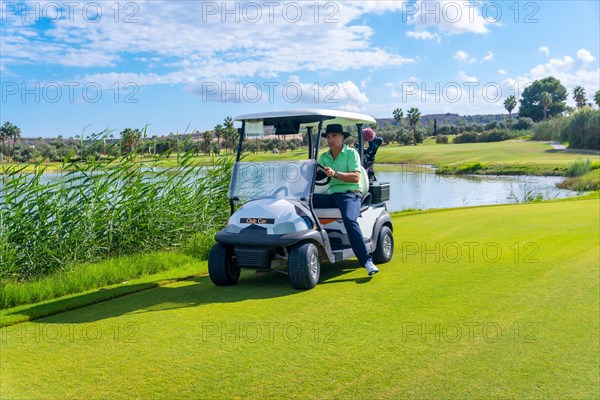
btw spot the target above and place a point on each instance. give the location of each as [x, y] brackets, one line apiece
[495, 135]
[523, 123]
[22, 154]
[441, 139]
[492, 125]
[467, 137]
[470, 168]
[549, 130]
[582, 130]
[459, 169]
[388, 137]
[579, 168]
[419, 135]
[405, 139]
[199, 244]
[587, 182]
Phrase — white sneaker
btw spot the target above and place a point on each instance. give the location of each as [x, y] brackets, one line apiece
[371, 268]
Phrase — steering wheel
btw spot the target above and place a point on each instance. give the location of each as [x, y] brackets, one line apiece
[321, 179]
[283, 189]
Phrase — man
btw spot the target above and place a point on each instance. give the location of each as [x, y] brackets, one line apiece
[342, 165]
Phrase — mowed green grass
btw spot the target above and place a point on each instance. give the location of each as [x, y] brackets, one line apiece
[508, 152]
[490, 302]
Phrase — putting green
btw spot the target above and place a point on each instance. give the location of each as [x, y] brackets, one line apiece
[490, 302]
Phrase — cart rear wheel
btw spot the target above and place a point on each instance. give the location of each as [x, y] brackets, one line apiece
[385, 246]
[304, 266]
[221, 266]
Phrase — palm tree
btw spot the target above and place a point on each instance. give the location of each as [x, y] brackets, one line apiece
[4, 135]
[510, 103]
[218, 133]
[207, 137]
[579, 96]
[414, 116]
[230, 133]
[597, 98]
[545, 101]
[130, 139]
[8, 131]
[398, 115]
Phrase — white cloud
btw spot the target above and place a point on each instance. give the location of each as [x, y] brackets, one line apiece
[176, 41]
[502, 72]
[365, 82]
[544, 50]
[463, 77]
[393, 92]
[569, 71]
[449, 17]
[348, 92]
[424, 35]
[552, 67]
[463, 57]
[346, 95]
[585, 55]
[406, 87]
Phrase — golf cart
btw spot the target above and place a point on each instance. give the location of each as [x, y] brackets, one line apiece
[273, 225]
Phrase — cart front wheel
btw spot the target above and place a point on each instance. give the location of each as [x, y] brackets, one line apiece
[304, 266]
[221, 266]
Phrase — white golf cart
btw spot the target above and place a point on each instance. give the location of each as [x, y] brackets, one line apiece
[273, 225]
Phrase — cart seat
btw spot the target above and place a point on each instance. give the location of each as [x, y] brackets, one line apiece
[327, 215]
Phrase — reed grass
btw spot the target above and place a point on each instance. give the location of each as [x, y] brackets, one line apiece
[98, 208]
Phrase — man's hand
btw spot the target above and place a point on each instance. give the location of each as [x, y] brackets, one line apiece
[352, 176]
[329, 172]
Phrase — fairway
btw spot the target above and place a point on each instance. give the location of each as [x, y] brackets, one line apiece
[490, 302]
[510, 152]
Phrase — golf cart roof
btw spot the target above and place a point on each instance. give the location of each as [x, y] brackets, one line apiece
[305, 118]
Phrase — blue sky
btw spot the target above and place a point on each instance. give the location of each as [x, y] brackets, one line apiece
[69, 67]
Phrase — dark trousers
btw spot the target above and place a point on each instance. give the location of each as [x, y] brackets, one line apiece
[349, 205]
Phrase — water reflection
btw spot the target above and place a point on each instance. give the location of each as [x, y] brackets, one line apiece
[424, 190]
[419, 189]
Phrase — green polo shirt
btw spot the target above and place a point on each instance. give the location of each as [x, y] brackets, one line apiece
[347, 161]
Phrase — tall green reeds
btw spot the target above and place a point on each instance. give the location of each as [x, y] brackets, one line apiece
[99, 208]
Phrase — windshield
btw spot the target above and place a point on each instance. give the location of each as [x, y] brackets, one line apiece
[272, 179]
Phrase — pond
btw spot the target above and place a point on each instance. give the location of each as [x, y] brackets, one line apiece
[426, 190]
[420, 188]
